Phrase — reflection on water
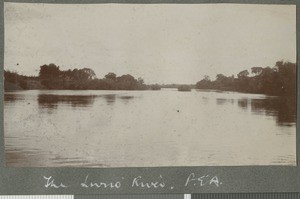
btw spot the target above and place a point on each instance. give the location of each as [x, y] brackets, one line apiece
[148, 128]
[243, 103]
[221, 101]
[127, 97]
[52, 101]
[282, 108]
[12, 97]
[110, 99]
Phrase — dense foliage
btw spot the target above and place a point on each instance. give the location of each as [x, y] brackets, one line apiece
[51, 77]
[279, 80]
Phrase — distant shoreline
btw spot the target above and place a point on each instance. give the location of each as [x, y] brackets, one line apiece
[279, 80]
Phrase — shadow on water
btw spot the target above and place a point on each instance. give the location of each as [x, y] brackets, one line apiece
[52, 101]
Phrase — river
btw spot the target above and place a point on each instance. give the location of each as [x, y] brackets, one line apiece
[66, 128]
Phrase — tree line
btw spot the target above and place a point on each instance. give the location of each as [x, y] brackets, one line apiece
[51, 77]
[279, 80]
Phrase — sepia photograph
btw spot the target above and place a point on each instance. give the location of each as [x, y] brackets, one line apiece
[149, 85]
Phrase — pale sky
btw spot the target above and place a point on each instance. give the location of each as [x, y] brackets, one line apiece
[162, 43]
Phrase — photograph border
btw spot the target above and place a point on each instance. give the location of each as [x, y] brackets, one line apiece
[234, 179]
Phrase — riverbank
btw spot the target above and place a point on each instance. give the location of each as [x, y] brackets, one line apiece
[279, 80]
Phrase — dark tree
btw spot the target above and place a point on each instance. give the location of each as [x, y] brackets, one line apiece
[49, 71]
[243, 74]
[126, 82]
[111, 76]
[256, 70]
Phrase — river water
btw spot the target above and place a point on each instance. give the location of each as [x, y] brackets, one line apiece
[58, 128]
